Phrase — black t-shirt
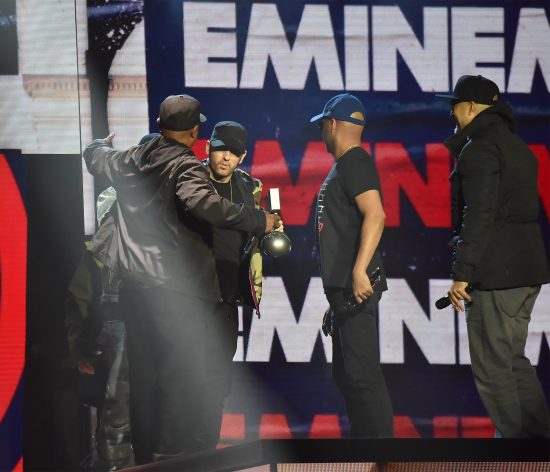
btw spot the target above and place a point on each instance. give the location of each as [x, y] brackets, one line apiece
[227, 246]
[338, 220]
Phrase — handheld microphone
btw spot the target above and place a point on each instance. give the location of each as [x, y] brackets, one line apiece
[444, 302]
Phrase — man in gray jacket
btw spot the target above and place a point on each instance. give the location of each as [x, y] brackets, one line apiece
[499, 255]
[166, 208]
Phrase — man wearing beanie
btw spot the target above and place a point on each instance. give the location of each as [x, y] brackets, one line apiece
[499, 258]
[166, 209]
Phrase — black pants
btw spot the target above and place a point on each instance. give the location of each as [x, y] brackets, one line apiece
[166, 334]
[221, 344]
[507, 383]
[356, 367]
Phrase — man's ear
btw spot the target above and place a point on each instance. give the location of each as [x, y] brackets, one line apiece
[195, 132]
[242, 158]
[158, 123]
[332, 122]
[207, 147]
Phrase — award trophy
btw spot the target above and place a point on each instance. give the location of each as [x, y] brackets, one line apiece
[276, 243]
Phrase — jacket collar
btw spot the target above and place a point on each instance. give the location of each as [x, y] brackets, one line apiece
[498, 114]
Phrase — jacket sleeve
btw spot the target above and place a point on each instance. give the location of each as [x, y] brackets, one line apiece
[199, 197]
[104, 161]
[479, 170]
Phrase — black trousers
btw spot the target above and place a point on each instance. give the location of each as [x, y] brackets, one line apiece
[221, 345]
[166, 355]
[356, 367]
[507, 383]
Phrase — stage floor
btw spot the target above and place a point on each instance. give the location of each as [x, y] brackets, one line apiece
[366, 455]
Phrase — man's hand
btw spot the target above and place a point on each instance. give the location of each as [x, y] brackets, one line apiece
[110, 138]
[361, 285]
[86, 367]
[457, 293]
[272, 221]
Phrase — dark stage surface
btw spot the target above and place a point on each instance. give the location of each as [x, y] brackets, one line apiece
[368, 454]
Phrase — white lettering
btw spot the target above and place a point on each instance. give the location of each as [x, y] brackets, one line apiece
[297, 337]
[469, 48]
[239, 352]
[201, 45]
[463, 346]
[314, 43]
[392, 33]
[356, 33]
[435, 335]
[532, 47]
[539, 326]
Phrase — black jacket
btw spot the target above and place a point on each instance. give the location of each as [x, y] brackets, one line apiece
[92, 296]
[495, 205]
[250, 271]
[166, 207]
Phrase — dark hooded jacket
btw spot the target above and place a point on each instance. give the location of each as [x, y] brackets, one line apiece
[497, 239]
[166, 207]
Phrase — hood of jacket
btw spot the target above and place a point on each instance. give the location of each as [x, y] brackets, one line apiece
[499, 114]
[157, 152]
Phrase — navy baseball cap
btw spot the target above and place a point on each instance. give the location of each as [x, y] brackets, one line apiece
[229, 135]
[343, 107]
[474, 88]
[180, 113]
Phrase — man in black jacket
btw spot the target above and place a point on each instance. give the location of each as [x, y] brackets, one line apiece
[499, 255]
[166, 208]
[238, 265]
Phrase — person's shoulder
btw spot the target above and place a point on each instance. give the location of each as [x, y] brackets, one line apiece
[247, 178]
[478, 154]
[479, 146]
[188, 164]
[357, 153]
[355, 157]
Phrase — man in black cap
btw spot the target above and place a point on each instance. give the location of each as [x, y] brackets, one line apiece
[238, 265]
[349, 224]
[166, 209]
[499, 258]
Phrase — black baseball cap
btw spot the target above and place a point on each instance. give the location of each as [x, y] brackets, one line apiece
[343, 107]
[229, 135]
[180, 113]
[474, 88]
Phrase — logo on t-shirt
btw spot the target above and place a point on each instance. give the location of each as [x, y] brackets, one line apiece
[321, 207]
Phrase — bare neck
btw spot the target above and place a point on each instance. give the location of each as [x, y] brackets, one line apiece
[179, 137]
[344, 146]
